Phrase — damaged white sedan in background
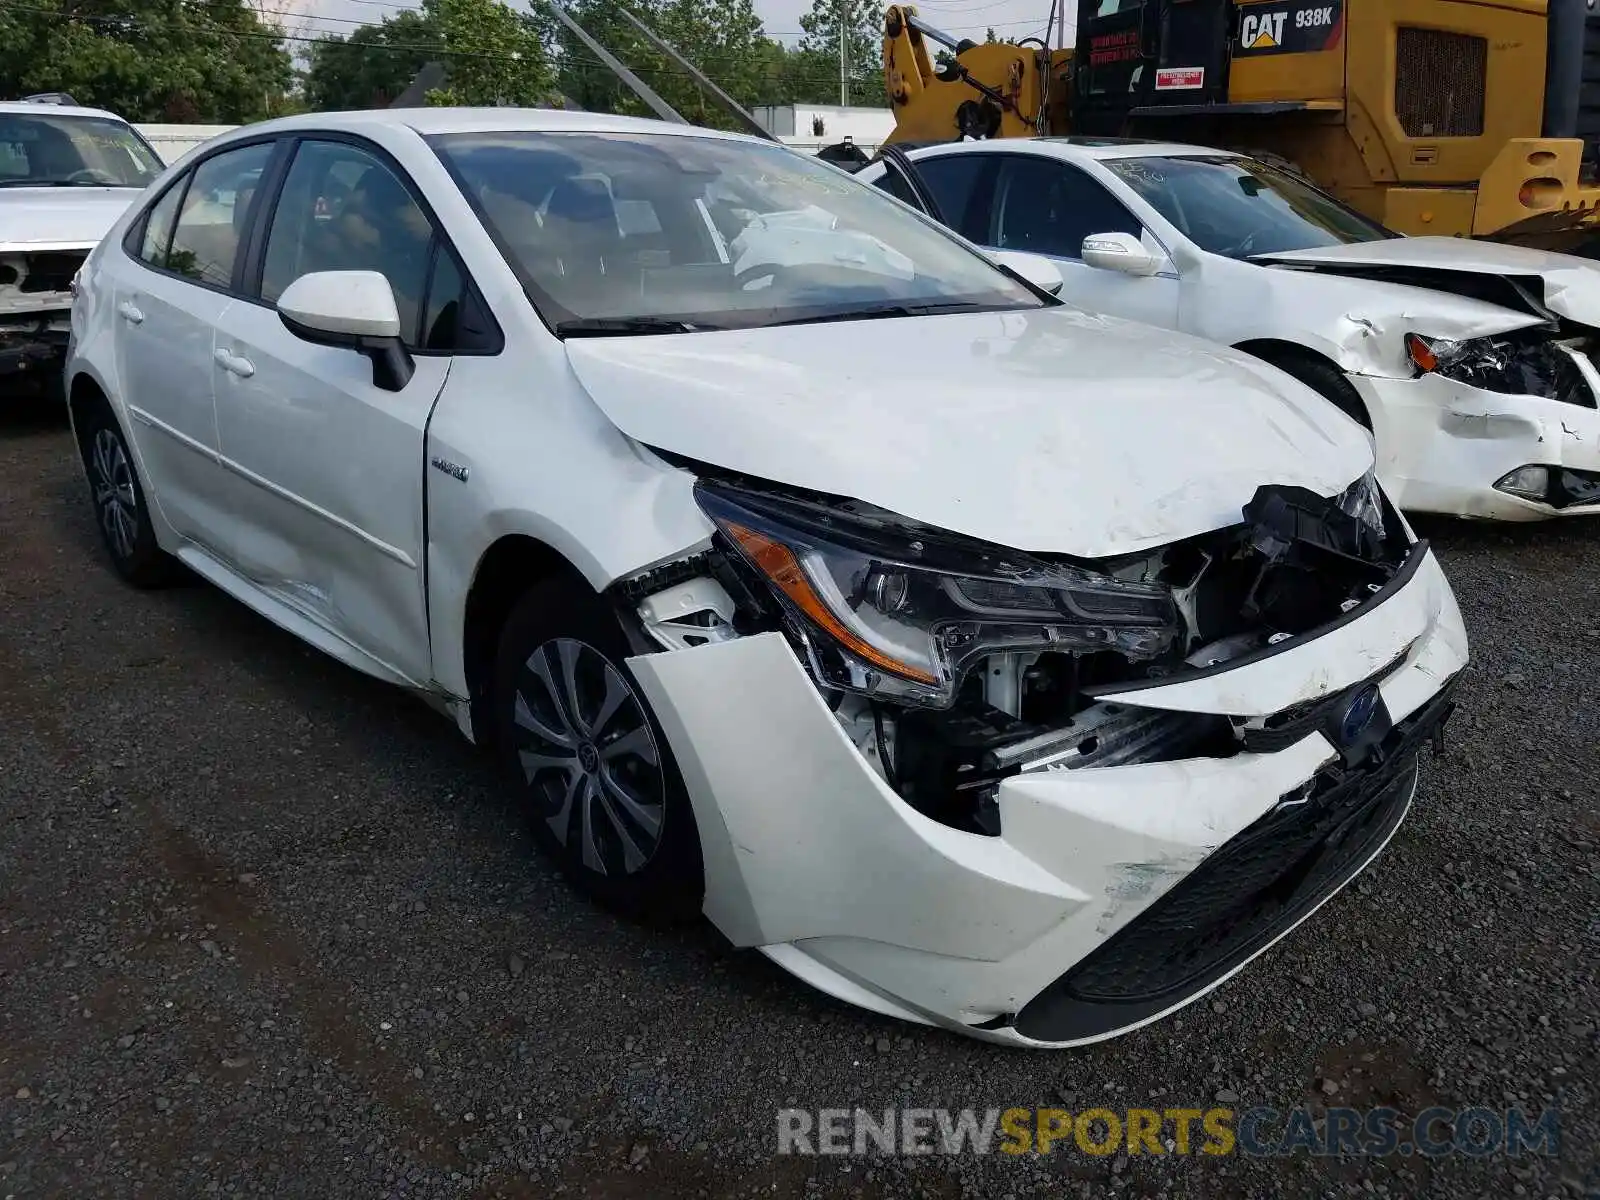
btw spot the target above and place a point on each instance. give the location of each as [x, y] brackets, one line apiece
[1473, 363]
[983, 662]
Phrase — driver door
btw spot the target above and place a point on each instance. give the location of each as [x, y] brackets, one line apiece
[332, 463]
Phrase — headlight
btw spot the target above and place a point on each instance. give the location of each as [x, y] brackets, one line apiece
[891, 611]
[1513, 366]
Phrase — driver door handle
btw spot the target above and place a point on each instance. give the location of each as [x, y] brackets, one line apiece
[233, 364]
[130, 313]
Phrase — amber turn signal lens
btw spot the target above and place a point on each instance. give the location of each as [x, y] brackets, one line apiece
[1421, 353]
[778, 563]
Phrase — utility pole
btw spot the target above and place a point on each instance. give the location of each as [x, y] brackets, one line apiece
[844, 58]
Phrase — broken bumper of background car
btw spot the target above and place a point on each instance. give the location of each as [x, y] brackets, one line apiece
[36, 306]
[35, 344]
[1447, 447]
[1112, 895]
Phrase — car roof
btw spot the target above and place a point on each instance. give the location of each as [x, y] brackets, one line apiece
[39, 109]
[1078, 148]
[429, 122]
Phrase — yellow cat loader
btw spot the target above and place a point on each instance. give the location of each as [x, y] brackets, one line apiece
[1473, 118]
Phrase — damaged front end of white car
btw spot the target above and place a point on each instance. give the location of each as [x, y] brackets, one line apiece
[1485, 399]
[1032, 797]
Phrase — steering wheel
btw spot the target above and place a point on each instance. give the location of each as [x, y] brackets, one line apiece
[87, 175]
[1244, 247]
[773, 271]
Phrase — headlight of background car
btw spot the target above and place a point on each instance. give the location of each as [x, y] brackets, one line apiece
[902, 613]
[1536, 365]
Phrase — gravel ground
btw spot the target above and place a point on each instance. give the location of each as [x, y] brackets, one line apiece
[269, 927]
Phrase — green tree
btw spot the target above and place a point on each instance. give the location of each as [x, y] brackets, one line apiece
[722, 38]
[148, 60]
[861, 23]
[372, 65]
[493, 55]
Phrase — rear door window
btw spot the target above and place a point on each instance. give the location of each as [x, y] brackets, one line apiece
[215, 214]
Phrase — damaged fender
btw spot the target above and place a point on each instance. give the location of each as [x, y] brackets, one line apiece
[1359, 324]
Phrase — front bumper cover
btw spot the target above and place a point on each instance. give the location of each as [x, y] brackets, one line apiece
[811, 857]
[1442, 444]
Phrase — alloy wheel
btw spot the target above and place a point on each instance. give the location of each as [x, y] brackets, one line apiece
[115, 499]
[589, 757]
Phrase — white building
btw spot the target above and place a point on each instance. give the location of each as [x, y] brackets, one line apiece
[812, 126]
[172, 142]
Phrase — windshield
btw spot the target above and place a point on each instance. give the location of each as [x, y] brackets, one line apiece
[638, 232]
[55, 150]
[1239, 207]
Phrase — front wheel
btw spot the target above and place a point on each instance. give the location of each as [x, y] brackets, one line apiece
[1322, 376]
[601, 791]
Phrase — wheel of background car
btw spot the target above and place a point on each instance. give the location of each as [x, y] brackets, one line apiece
[1324, 377]
[120, 510]
[575, 734]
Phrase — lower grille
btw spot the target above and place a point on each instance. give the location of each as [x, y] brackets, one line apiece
[1439, 81]
[1242, 897]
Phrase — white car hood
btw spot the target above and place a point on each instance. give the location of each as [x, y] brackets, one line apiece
[1050, 430]
[1571, 285]
[59, 218]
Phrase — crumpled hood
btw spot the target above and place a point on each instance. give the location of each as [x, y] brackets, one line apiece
[1571, 285]
[1053, 430]
[59, 218]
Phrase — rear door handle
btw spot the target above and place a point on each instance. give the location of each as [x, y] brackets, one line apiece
[232, 363]
[130, 312]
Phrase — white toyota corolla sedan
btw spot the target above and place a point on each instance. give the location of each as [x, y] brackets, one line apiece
[1473, 363]
[984, 662]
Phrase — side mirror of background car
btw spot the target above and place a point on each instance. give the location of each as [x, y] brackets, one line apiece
[354, 310]
[1034, 268]
[1119, 252]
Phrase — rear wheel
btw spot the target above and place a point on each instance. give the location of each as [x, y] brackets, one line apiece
[120, 508]
[576, 735]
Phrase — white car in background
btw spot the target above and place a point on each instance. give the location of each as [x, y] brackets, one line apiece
[1473, 363]
[983, 662]
[66, 174]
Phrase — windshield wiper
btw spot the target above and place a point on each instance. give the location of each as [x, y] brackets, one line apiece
[622, 326]
[877, 311]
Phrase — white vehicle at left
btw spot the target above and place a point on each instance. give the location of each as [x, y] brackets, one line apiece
[66, 174]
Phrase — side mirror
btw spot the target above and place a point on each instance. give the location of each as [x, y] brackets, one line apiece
[353, 310]
[1035, 268]
[1119, 252]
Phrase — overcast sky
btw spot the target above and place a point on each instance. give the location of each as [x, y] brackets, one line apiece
[964, 18]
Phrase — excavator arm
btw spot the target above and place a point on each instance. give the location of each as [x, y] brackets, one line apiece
[980, 90]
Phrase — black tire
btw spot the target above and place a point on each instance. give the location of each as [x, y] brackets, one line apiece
[120, 509]
[1322, 376]
[591, 782]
